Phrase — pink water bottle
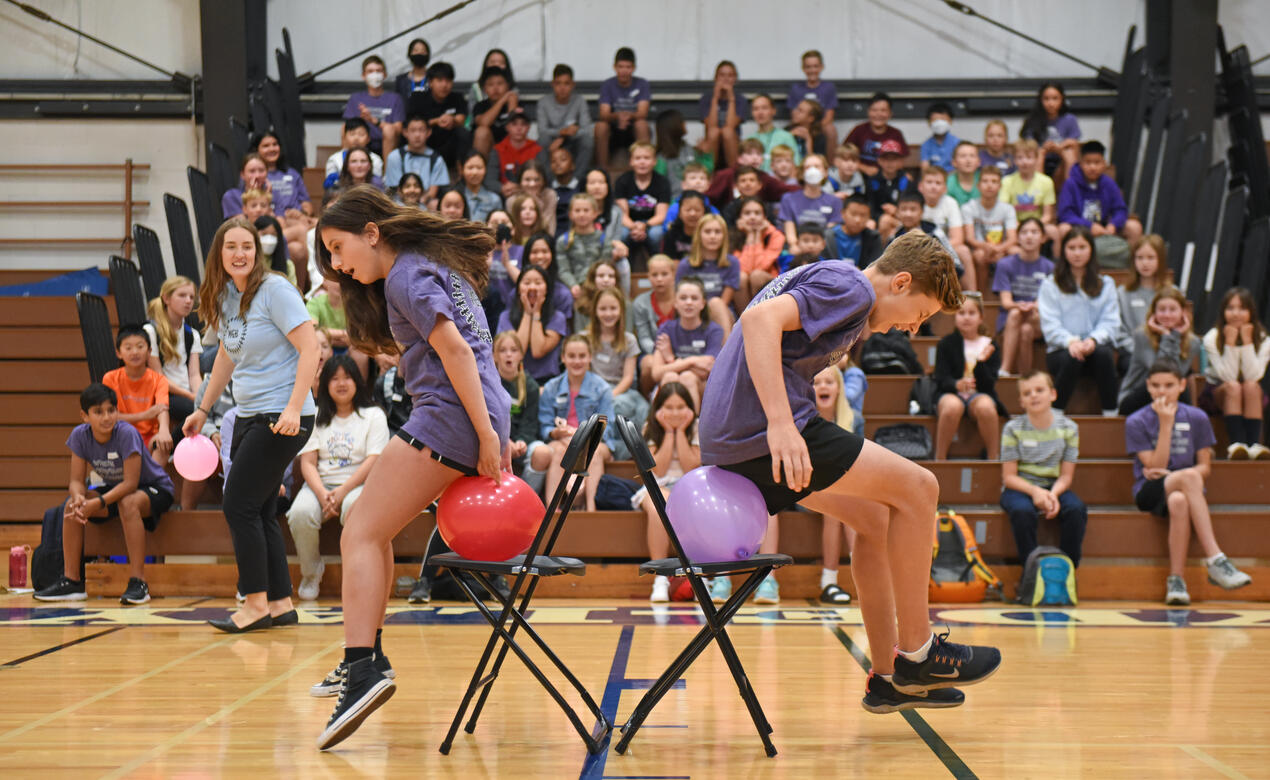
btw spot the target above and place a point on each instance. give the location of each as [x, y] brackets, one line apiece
[17, 565]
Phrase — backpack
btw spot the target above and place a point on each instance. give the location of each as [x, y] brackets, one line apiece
[1049, 577]
[47, 563]
[614, 493]
[906, 439]
[889, 353]
[923, 393]
[957, 571]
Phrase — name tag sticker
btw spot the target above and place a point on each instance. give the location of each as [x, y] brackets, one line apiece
[1137, 302]
[1028, 443]
[1182, 426]
[112, 456]
[698, 344]
[604, 357]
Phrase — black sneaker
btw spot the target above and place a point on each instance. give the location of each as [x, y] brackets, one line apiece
[880, 697]
[65, 589]
[137, 592]
[946, 666]
[362, 691]
[421, 593]
[330, 684]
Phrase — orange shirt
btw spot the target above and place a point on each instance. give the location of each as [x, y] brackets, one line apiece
[138, 396]
[762, 256]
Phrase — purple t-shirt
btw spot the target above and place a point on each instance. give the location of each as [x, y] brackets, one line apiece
[796, 207]
[107, 459]
[834, 300]
[823, 93]
[1021, 279]
[626, 98]
[742, 107]
[420, 293]
[388, 107]
[542, 368]
[705, 339]
[1192, 432]
[711, 275]
[1063, 127]
[288, 189]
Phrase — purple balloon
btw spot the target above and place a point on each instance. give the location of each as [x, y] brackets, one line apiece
[718, 515]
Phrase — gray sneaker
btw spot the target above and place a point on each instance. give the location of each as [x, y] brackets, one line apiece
[1176, 594]
[1224, 574]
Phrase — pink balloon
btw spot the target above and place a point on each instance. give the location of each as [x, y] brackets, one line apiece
[717, 514]
[196, 458]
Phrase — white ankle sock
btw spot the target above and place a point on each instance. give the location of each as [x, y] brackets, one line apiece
[919, 655]
[1215, 558]
[828, 577]
[660, 578]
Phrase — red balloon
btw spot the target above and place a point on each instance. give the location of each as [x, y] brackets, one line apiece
[487, 522]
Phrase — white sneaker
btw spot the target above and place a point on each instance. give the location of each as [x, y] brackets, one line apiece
[1258, 452]
[309, 586]
[1175, 592]
[1224, 574]
[661, 590]
[1237, 451]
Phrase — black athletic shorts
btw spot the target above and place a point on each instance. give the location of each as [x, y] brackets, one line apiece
[832, 451]
[1152, 498]
[160, 502]
[466, 471]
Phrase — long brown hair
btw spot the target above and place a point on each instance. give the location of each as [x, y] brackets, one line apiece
[595, 329]
[520, 233]
[696, 257]
[215, 278]
[521, 382]
[459, 245]
[1162, 272]
[1063, 277]
[653, 432]
[1249, 303]
[1172, 293]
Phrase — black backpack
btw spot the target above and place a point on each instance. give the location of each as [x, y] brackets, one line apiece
[906, 439]
[889, 353]
[47, 563]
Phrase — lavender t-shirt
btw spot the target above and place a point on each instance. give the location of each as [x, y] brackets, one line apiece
[542, 368]
[796, 207]
[1021, 278]
[823, 93]
[420, 293]
[1063, 127]
[107, 459]
[834, 300]
[388, 107]
[705, 339]
[711, 275]
[625, 98]
[1192, 432]
[288, 190]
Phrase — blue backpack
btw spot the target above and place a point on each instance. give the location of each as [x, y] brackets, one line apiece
[1049, 578]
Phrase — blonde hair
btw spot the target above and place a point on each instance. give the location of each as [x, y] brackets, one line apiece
[255, 194]
[847, 152]
[521, 390]
[781, 150]
[157, 310]
[696, 255]
[580, 197]
[662, 258]
[976, 298]
[594, 329]
[642, 145]
[925, 259]
[843, 414]
[934, 170]
[1026, 146]
[1169, 292]
[996, 123]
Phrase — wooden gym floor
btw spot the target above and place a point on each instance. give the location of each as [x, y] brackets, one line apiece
[1106, 690]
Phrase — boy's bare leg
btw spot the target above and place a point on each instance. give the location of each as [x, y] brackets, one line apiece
[131, 509]
[1190, 484]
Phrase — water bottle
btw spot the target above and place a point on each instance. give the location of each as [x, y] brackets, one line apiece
[913, 408]
[17, 565]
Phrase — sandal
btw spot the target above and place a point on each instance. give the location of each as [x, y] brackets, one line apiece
[832, 594]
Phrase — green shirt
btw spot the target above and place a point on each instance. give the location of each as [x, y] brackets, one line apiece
[775, 137]
[1040, 452]
[327, 316]
[958, 194]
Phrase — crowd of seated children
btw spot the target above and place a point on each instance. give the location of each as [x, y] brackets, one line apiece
[381, 110]
[869, 136]
[349, 433]
[1237, 351]
[990, 225]
[1029, 191]
[1017, 281]
[854, 240]
[566, 402]
[758, 247]
[615, 358]
[688, 343]
[1171, 446]
[1166, 334]
[966, 366]
[718, 271]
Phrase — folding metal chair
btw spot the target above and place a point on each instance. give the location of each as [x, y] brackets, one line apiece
[206, 204]
[528, 569]
[220, 169]
[125, 283]
[150, 252]
[99, 342]
[184, 254]
[715, 630]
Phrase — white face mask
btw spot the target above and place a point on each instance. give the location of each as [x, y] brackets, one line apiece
[813, 175]
[268, 244]
[373, 80]
[940, 126]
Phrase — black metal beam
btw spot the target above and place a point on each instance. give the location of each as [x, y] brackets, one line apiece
[1193, 64]
[224, 38]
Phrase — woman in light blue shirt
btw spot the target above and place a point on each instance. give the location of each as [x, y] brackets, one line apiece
[269, 346]
[1080, 319]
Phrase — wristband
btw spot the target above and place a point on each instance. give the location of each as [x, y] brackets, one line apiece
[206, 412]
[104, 505]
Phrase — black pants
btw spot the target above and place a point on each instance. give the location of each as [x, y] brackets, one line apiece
[1024, 517]
[1066, 370]
[179, 407]
[259, 459]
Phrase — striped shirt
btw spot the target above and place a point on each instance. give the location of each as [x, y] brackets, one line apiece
[1040, 452]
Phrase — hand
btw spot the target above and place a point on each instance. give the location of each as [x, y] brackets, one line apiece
[1154, 326]
[789, 453]
[518, 449]
[556, 142]
[445, 121]
[1166, 411]
[685, 418]
[1155, 473]
[1230, 334]
[623, 119]
[620, 250]
[639, 231]
[966, 385]
[1025, 306]
[330, 506]
[288, 423]
[294, 214]
[215, 437]
[513, 100]
[489, 457]
[888, 208]
[510, 188]
[365, 113]
[987, 352]
[1076, 351]
[664, 348]
[576, 290]
[154, 411]
[194, 424]
[75, 509]
[162, 441]
[1245, 333]
[1185, 324]
[568, 131]
[530, 300]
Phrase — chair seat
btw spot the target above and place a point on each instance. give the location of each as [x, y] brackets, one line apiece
[669, 567]
[541, 566]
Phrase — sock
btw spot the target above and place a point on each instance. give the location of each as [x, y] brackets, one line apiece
[379, 636]
[1252, 430]
[352, 654]
[1110, 412]
[918, 655]
[660, 578]
[1215, 558]
[1235, 428]
[828, 577]
[886, 677]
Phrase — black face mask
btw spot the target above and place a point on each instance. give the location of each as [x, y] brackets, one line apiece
[419, 60]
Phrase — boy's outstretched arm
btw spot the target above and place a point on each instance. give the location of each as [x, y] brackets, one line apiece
[763, 325]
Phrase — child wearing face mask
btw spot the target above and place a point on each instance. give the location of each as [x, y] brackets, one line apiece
[382, 111]
[275, 249]
[419, 52]
[938, 149]
[811, 204]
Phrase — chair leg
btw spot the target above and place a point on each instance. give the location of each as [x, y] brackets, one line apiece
[502, 650]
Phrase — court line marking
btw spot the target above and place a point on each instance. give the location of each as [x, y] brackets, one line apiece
[228, 709]
[594, 763]
[1199, 755]
[35, 724]
[942, 750]
[18, 661]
